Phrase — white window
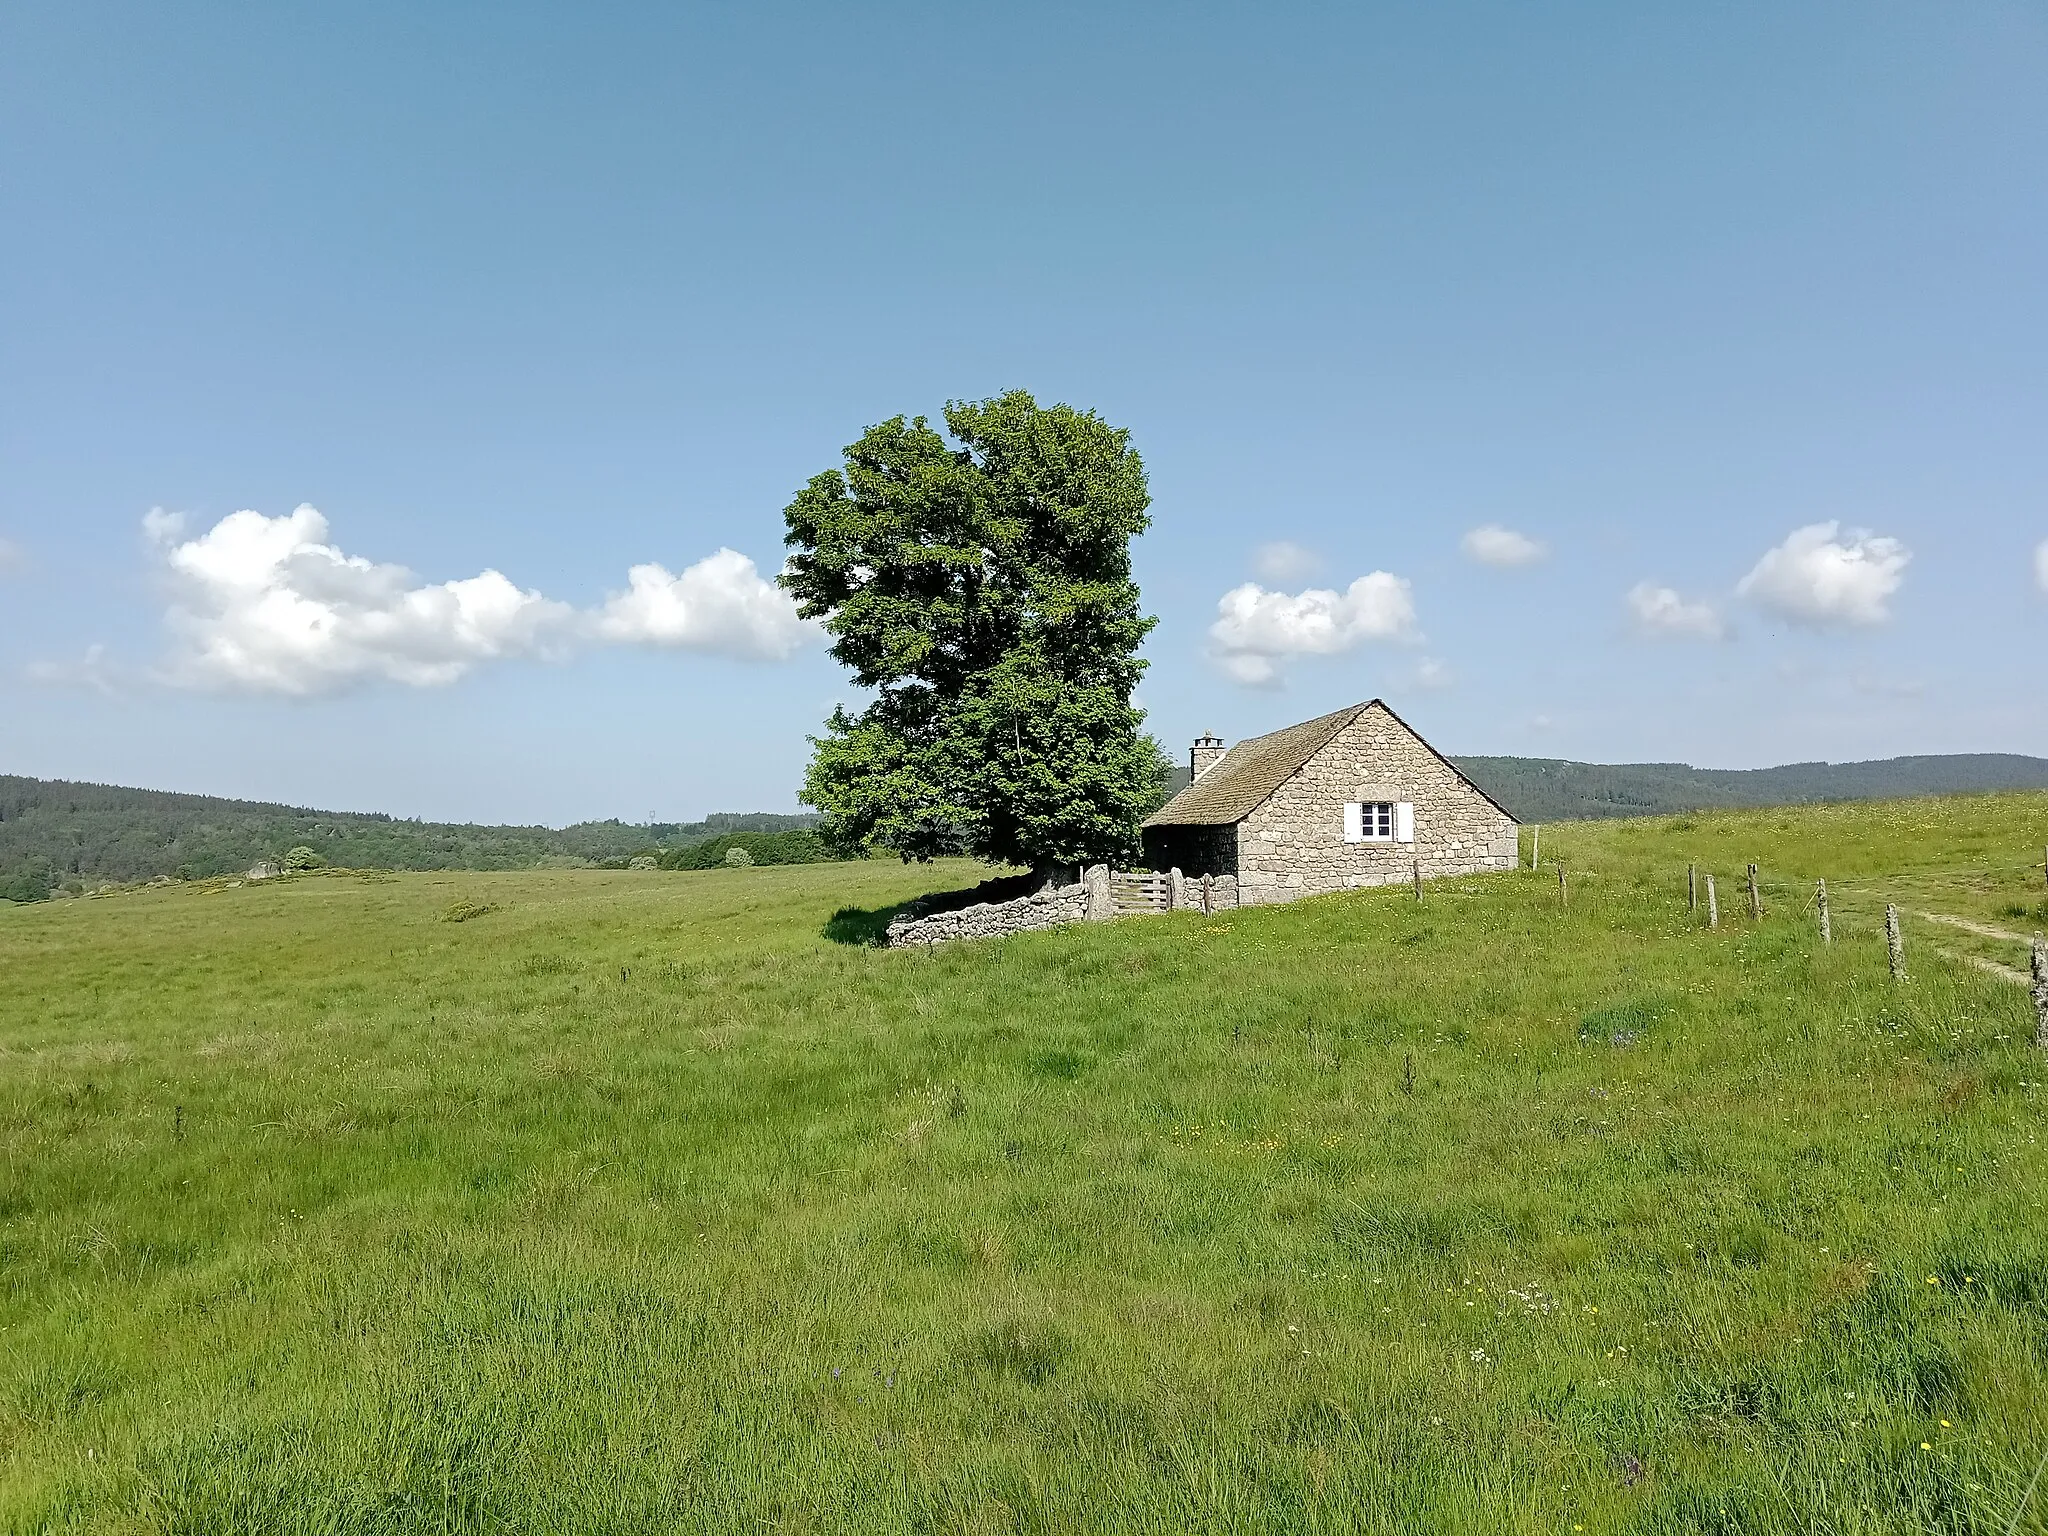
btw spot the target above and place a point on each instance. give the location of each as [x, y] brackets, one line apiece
[1379, 821]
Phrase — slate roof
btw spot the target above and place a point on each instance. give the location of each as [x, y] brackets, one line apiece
[1251, 771]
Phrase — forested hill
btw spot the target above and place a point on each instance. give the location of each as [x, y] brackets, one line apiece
[1537, 789]
[55, 833]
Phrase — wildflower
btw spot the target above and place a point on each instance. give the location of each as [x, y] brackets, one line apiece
[1925, 1446]
[1946, 1425]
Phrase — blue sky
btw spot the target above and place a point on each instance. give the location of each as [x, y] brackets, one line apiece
[1736, 316]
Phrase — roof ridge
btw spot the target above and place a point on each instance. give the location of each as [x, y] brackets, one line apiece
[1229, 791]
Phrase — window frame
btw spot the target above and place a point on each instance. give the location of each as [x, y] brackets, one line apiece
[1396, 816]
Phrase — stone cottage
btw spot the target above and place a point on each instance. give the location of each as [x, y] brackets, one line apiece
[1347, 799]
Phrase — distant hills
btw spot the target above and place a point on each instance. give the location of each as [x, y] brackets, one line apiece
[1538, 789]
[55, 834]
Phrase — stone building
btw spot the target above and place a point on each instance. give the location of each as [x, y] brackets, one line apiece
[1348, 799]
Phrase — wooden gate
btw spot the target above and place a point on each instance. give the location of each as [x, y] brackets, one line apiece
[1131, 892]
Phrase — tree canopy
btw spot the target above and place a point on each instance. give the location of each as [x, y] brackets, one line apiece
[982, 588]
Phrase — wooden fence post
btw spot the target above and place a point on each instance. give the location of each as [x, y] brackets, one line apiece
[1756, 902]
[1564, 891]
[1418, 879]
[1894, 942]
[1820, 896]
[2041, 992]
[1206, 907]
[1692, 889]
[1536, 846]
[1713, 905]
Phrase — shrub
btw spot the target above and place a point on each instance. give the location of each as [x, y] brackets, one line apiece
[800, 847]
[738, 858]
[304, 858]
[32, 882]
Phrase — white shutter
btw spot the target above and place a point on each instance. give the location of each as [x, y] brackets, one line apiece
[1404, 822]
[1354, 822]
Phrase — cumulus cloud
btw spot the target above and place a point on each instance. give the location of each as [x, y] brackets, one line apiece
[1660, 613]
[722, 603]
[269, 604]
[1819, 579]
[1491, 544]
[2041, 565]
[1283, 561]
[1256, 630]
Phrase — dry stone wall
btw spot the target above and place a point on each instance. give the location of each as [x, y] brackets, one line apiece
[1293, 845]
[1222, 894]
[1053, 907]
[1049, 908]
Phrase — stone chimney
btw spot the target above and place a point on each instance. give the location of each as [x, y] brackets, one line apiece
[1204, 755]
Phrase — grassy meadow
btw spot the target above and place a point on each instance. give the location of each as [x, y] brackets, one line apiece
[646, 1202]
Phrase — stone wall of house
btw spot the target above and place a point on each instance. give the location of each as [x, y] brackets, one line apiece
[1048, 908]
[1293, 845]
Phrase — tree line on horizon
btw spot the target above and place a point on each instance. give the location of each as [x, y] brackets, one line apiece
[56, 834]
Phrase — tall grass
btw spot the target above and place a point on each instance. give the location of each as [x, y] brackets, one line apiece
[637, 1203]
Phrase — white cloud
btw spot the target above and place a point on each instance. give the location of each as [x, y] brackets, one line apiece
[1284, 561]
[1661, 613]
[2041, 565]
[1491, 544]
[267, 604]
[1430, 672]
[1255, 629]
[93, 671]
[722, 604]
[161, 527]
[1817, 579]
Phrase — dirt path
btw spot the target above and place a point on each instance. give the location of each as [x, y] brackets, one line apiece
[2002, 972]
[1982, 930]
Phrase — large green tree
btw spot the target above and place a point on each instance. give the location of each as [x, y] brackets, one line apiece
[981, 586]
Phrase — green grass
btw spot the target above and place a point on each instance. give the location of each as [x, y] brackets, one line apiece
[638, 1203]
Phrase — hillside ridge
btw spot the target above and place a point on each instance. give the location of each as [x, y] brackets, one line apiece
[54, 830]
[1537, 789]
